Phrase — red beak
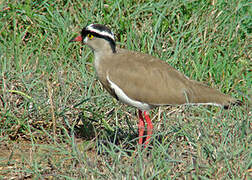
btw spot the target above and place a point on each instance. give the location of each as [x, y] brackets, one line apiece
[78, 38]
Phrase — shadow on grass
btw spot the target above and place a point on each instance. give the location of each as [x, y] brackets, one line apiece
[118, 139]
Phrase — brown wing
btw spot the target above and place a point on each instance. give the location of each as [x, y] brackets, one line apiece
[150, 80]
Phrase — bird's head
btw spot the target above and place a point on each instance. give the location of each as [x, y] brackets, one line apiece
[98, 37]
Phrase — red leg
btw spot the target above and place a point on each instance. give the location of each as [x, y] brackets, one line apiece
[140, 127]
[149, 127]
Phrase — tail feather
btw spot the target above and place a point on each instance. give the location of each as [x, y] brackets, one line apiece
[204, 94]
[234, 103]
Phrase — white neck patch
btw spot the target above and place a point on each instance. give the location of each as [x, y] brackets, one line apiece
[103, 33]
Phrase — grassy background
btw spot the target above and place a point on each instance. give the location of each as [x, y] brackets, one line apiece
[56, 121]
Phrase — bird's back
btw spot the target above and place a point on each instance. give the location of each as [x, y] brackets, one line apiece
[147, 79]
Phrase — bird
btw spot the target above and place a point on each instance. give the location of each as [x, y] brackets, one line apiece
[142, 80]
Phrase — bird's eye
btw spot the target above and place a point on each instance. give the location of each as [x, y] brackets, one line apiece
[90, 36]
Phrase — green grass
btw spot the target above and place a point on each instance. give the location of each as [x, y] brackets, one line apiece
[44, 78]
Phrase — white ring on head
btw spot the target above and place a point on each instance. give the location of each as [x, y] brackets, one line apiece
[103, 33]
